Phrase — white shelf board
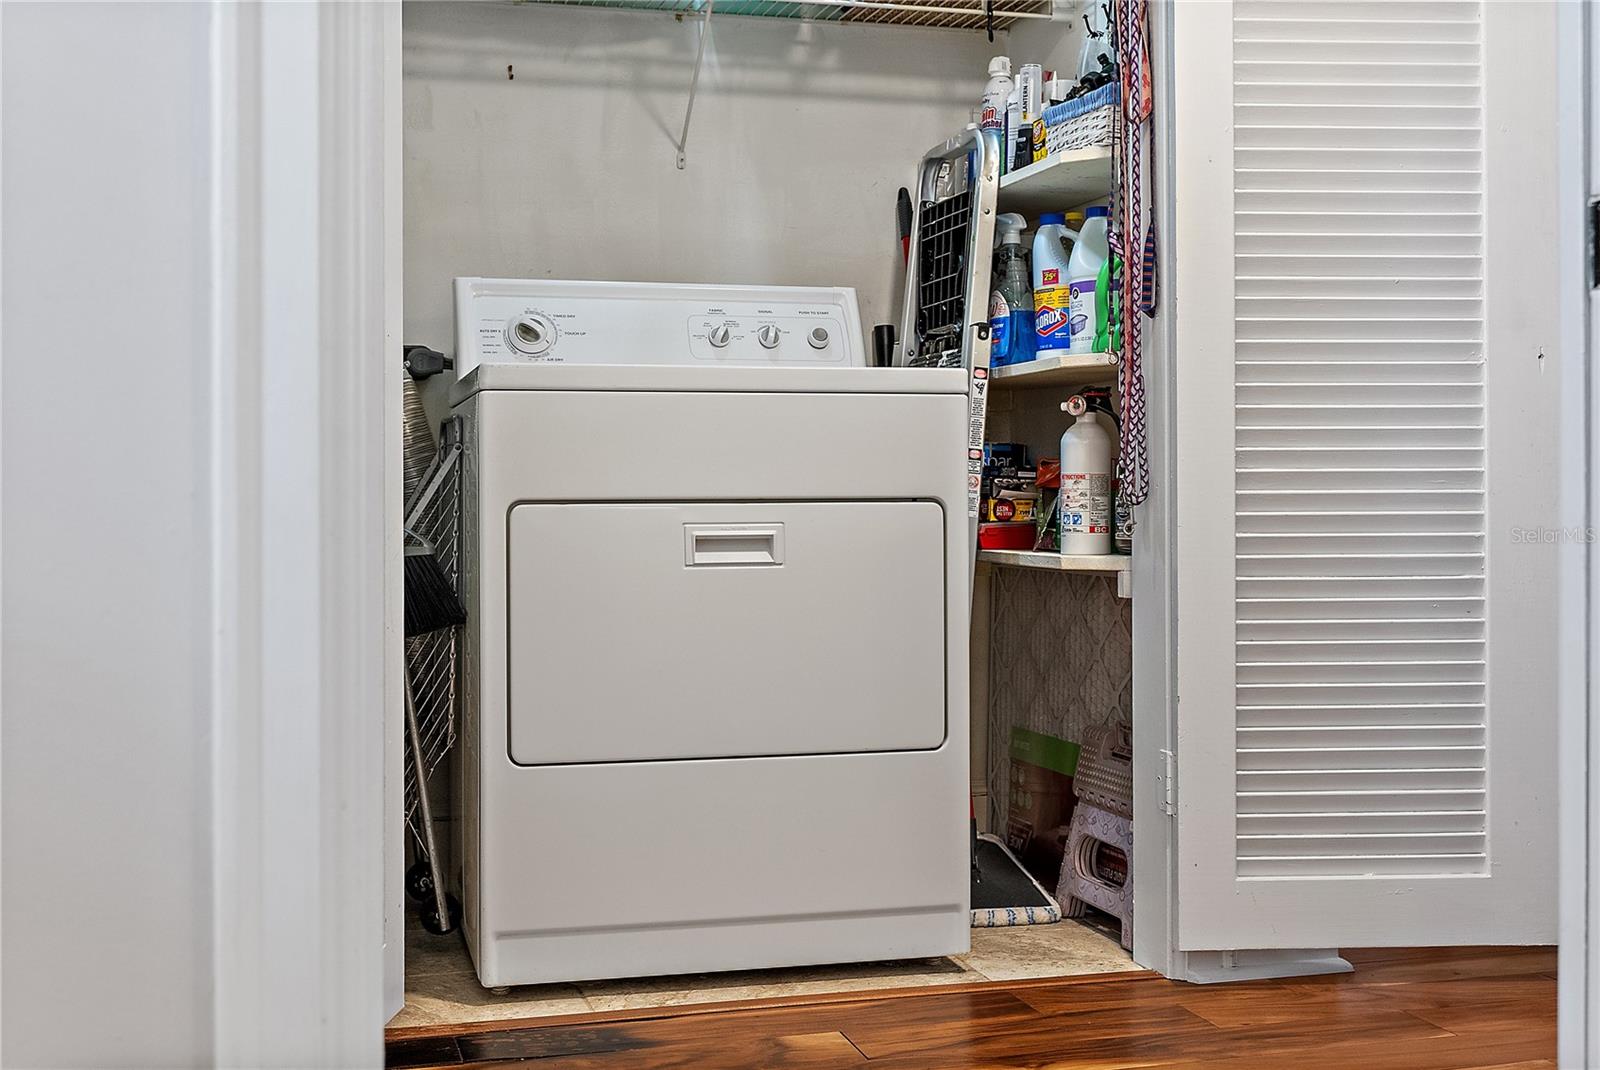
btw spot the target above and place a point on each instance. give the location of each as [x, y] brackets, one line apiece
[1058, 182]
[1055, 562]
[1069, 370]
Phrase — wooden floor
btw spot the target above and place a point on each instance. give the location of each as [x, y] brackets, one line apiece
[1454, 1009]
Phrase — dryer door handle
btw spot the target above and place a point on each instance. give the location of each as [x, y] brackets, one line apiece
[732, 544]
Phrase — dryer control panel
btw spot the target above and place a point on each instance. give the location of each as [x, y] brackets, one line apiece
[539, 321]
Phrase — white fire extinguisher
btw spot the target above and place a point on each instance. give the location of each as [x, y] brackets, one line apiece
[1085, 503]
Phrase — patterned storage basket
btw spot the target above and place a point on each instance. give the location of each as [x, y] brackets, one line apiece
[1084, 122]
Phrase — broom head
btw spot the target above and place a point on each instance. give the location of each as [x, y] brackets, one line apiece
[431, 602]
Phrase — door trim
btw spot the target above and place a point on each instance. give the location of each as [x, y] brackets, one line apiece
[1578, 1018]
[297, 430]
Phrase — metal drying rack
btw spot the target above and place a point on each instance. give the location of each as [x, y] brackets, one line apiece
[433, 514]
[946, 316]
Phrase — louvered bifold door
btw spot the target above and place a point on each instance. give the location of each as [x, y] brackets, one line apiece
[1365, 472]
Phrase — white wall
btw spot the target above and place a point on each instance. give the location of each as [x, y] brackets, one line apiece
[802, 135]
[106, 891]
[1055, 45]
[193, 414]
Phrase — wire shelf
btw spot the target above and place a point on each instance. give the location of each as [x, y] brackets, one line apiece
[943, 14]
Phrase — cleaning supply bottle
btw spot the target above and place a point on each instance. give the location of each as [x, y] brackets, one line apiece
[1030, 91]
[1083, 277]
[1084, 510]
[1015, 141]
[1051, 293]
[992, 119]
[1011, 304]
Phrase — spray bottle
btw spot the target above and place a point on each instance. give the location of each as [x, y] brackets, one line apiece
[992, 119]
[1011, 303]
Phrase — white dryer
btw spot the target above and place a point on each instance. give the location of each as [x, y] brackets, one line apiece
[715, 674]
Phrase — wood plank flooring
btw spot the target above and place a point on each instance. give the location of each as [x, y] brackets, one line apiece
[1440, 1009]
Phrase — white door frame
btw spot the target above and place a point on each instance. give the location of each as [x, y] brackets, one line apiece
[394, 829]
[1153, 866]
[306, 675]
[305, 471]
[1579, 683]
[1155, 732]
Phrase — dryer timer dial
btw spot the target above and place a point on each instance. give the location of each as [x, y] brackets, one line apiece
[531, 334]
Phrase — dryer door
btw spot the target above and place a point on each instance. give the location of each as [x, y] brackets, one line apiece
[644, 632]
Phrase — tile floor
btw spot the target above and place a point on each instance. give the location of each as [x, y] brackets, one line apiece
[441, 987]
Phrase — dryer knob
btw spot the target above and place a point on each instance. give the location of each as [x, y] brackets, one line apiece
[768, 336]
[818, 338]
[531, 334]
[720, 335]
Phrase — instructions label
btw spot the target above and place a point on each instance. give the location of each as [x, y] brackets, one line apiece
[1085, 503]
[977, 407]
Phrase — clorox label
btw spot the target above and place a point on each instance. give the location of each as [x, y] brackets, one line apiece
[1052, 318]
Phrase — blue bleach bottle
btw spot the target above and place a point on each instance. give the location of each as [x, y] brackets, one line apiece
[1011, 303]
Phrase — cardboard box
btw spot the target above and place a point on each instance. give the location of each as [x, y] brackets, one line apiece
[1041, 800]
[1009, 508]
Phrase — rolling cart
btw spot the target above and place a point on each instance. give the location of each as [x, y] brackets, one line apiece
[432, 519]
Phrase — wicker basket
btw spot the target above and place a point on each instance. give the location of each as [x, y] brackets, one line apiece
[1090, 120]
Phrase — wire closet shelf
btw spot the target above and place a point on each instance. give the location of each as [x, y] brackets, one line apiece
[942, 14]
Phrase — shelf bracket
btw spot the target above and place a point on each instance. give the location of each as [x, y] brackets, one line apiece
[694, 83]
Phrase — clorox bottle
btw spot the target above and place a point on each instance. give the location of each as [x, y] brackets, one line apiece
[1085, 503]
[1052, 296]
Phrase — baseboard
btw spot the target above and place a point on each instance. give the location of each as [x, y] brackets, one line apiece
[1216, 967]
